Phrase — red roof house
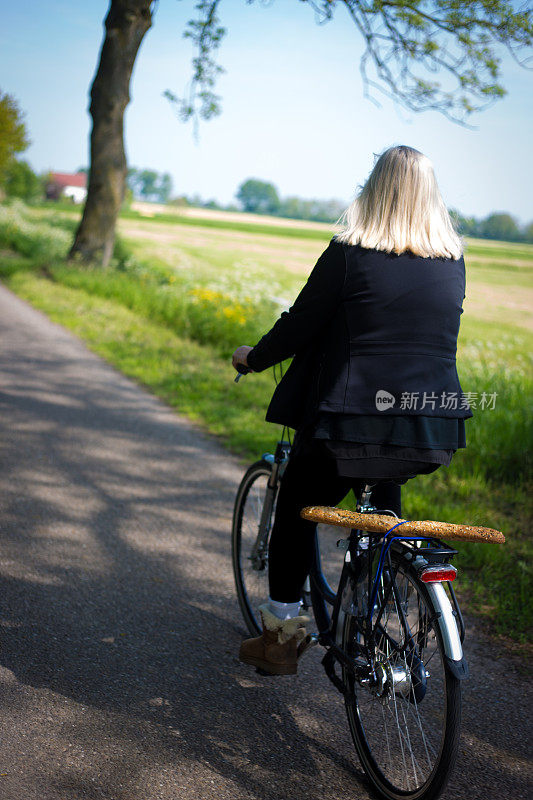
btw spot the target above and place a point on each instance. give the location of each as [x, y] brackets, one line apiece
[72, 186]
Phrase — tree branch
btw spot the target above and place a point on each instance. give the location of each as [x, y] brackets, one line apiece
[207, 34]
[456, 38]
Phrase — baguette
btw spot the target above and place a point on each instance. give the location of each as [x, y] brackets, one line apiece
[381, 523]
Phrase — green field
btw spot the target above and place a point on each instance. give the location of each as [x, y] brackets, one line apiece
[183, 291]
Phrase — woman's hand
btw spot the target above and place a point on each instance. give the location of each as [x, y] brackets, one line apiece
[240, 356]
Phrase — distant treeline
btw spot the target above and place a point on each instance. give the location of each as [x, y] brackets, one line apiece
[261, 197]
[498, 225]
[256, 197]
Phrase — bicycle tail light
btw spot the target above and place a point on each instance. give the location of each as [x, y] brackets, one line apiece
[438, 574]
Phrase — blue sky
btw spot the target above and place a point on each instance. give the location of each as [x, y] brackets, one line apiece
[293, 106]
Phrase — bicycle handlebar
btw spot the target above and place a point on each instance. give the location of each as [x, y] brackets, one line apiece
[242, 370]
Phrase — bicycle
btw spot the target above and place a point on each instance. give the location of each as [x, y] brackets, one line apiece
[393, 630]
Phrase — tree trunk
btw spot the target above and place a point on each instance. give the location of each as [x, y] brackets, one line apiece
[126, 23]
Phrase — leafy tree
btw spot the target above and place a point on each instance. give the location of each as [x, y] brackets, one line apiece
[21, 181]
[147, 182]
[466, 226]
[131, 178]
[500, 226]
[164, 187]
[291, 207]
[13, 136]
[528, 233]
[258, 197]
[425, 54]
[150, 185]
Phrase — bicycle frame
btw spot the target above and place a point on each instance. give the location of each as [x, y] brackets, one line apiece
[278, 460]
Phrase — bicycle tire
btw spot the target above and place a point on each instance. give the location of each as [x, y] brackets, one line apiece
[251, 582]
[393, 773]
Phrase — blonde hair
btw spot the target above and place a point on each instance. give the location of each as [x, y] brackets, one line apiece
[401, 208]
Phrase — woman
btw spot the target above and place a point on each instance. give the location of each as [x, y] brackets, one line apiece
[373, 390]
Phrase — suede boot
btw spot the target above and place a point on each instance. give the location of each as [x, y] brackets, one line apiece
[276, 650]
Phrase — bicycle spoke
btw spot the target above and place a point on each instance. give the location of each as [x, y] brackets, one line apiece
[400, 734]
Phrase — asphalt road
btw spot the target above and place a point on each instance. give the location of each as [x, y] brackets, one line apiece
[119, 625]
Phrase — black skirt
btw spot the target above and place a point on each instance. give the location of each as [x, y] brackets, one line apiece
[398, 447]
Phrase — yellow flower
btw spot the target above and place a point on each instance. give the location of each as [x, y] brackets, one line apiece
[234, 313]
[207, 295]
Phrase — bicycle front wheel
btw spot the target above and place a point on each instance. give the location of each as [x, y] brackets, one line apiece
[405, 722]
[254, 502]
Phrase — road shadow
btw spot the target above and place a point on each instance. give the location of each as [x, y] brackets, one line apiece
[117, 594]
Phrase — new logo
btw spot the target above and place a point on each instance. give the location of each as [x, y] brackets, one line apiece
[384, 400]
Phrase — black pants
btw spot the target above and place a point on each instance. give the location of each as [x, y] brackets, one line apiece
[310, 479]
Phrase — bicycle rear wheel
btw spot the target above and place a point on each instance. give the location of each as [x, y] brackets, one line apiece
[250, 556]
[405, 725]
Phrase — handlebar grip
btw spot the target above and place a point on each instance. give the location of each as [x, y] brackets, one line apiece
[242, 370]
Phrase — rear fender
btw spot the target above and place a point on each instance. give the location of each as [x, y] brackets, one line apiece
[451, 639]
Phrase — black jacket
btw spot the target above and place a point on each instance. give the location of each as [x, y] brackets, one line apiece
[370, 332]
